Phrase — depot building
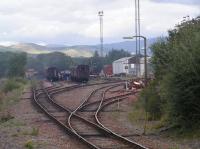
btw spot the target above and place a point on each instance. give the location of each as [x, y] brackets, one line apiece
[128, 65]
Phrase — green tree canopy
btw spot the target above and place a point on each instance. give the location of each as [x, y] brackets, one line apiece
[176, 62]
[17, 63]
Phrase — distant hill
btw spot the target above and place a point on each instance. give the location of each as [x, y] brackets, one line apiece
[74, 51]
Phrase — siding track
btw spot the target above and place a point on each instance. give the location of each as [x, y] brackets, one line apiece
[83, 124]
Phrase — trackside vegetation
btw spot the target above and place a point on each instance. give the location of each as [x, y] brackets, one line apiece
[174, 94]
[12, 71]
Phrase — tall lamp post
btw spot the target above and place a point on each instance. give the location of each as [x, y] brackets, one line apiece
[145, 72]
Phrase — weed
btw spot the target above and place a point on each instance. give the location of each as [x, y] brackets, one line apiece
[176, 147]
[29, 144]
[15, 135]
[12, 123]
[21, 80]
[35, 132]
[10, 85]
[5, 118]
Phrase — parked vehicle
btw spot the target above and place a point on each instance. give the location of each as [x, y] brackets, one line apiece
[80, 73]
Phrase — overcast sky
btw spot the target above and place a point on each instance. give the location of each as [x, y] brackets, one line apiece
[76, 21]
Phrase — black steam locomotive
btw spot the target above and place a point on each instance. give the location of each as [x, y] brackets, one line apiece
[52, 74]
[80, 73]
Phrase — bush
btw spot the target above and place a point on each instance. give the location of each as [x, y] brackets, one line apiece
[20, 80]
[5, 117]
[176, 64]
[10, 85]
[13, 83]
[35, 132]
[29, 144]
[151, 101]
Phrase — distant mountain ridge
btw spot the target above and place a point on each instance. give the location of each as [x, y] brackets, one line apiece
[76, 50]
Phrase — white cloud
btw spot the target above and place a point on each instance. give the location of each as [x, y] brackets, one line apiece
[76, 22]
[7, 43]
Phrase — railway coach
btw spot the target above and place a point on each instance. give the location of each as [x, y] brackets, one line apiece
[80, 73]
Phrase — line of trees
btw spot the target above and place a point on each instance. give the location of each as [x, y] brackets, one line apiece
[55, 59]
[13, 64]
[175, 92]
[63, 62]
[96, 62]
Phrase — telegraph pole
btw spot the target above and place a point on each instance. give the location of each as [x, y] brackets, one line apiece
[100, 13]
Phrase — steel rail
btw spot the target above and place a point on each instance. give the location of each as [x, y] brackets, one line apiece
[92, 146]
[84, 101]
[107, 99]
[136, 145]
[71, 131]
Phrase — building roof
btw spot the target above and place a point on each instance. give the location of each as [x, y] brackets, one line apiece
[122, 59]
[132, 60]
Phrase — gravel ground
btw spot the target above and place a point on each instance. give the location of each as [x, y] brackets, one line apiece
[29, 126]
[118, 119]
[19, 131]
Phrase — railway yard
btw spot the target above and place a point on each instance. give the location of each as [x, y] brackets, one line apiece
[72, 116]
[100, 74]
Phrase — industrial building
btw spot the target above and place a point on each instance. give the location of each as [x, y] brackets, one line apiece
[127, 65]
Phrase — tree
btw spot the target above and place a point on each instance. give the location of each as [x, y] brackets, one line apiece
[55, 59]
[96, 63]
[4, 63]
[116, 54]
[17, 63]
[176, 65]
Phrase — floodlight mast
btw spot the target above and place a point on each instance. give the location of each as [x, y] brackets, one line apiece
[100, 13]
[137, 33]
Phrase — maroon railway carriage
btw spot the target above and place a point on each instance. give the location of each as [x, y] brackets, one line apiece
[108, 70]
[80, 73]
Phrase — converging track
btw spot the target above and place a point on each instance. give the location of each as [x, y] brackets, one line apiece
[82, 123]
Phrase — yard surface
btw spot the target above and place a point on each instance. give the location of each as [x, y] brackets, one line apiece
[24, 126]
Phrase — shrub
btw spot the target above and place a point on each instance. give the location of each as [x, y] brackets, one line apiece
[35, 132]
[29, 144]
[20, 80]
[176, 64]
[5, 117]
[10, 85]
[151, 102]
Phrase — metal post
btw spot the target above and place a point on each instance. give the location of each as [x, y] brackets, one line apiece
[137, 34]
[145, 60]
[145, 74]
[101, 32]
[139, 44]
[136, 39]
[126, 78]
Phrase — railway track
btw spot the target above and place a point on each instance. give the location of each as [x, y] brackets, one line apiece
[75, 123]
